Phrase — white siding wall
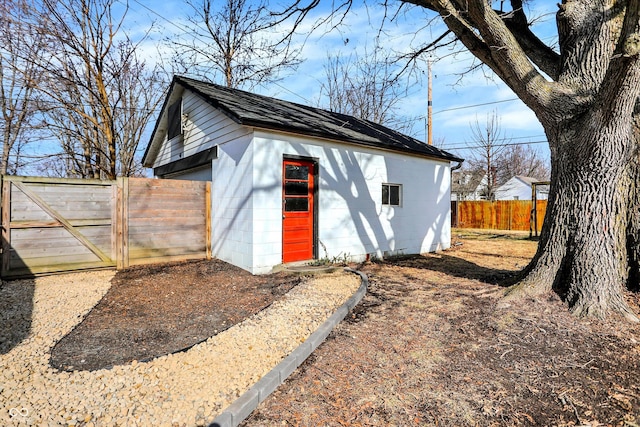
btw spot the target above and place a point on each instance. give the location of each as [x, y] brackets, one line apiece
[513, 190]
[204, 127]
[232, 199]
[246, 193]
[231, 193]
[352, 221]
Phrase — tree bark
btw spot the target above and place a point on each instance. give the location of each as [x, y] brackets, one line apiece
[589, 242]
[589, 239]
[633, 214]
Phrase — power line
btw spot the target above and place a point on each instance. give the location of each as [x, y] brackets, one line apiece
[499, 145]
[291, 92]
[465, 143]
[476, 105]
[183, 29]
[187, 30]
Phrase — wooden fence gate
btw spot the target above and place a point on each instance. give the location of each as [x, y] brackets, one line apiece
[54, 225]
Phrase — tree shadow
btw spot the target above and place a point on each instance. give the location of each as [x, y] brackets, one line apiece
[16, 312]
[457, 267]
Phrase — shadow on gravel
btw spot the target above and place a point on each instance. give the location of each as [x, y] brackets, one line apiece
[16, 311]
[457, 267]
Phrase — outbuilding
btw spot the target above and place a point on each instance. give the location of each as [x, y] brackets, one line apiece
[296, 183]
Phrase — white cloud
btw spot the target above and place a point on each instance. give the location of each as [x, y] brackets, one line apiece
[360, 27]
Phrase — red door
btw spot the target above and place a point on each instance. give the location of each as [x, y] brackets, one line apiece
[297, 210]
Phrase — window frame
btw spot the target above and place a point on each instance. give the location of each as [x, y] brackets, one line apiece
[174, 120]
[297, 183]
[389, 186]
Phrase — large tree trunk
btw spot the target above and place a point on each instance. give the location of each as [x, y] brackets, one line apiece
[592, 223]
[633, 209]
[585, 97]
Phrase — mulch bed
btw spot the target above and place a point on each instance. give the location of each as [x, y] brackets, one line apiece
[154, 310]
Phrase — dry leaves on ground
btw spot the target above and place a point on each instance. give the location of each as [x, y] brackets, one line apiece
[429, 345]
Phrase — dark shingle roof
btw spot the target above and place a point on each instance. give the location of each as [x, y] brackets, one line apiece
[260, 111]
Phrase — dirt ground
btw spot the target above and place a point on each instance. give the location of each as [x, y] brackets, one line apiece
[151, 311]
[429, 345]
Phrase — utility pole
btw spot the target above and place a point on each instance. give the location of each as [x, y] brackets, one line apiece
[429, 108]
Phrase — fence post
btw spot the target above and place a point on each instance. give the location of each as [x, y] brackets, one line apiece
[116, 228]
[125, 222]
[115, 221]
[6, 226]
[510, 216]
[122, 222]
[207, 220]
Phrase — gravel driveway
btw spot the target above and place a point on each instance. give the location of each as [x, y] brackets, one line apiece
[182, 389]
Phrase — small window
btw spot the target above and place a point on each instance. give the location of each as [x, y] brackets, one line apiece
[296, 204]
[296, 188]
[174, 117]
[391, 194]
[296, 172]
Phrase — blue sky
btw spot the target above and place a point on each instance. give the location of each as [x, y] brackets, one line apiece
[457, 102]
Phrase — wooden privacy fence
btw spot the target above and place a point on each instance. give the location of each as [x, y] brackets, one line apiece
[53, 225]
[498, 215]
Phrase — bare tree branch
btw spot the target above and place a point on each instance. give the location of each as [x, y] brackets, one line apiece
[369, 87]
[235, 41]
[105, 94]
[21, 44]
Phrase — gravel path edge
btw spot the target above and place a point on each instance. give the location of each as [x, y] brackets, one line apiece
[244, 405]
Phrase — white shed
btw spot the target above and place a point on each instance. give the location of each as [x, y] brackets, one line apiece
[296, 183]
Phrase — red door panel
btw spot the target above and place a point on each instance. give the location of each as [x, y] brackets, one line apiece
[297, 210]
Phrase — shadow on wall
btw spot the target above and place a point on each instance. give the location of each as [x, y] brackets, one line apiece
[239, 201]
[420, 219]
[362, 208]
[442, 206]
[345, 176]
[428, 217]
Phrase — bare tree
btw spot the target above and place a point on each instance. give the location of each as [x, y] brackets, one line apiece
[521, 160]
[102, 94]
[488, 147]
[139, 93]
[499, 159]
[369, 87]
[233, 41]
[21, 44]
[586, 98]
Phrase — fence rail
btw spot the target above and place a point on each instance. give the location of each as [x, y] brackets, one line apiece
[54, 225]
[499, 214]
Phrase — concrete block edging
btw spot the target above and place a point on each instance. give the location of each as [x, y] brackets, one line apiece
[242, 407]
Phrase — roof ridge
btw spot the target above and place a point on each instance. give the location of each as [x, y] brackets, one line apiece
[262, 111]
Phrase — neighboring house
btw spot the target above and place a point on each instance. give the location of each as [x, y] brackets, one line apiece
[467, 185]
[519, 188]
[295, 183]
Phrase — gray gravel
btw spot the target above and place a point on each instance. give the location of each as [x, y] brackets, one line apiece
[183, 389]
